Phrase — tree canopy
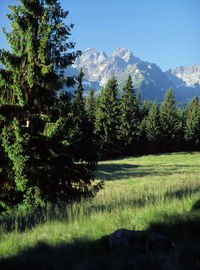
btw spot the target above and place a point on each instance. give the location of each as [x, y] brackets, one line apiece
[37, 159]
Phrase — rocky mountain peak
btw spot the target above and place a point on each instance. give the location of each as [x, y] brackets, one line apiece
[90, 57]
[148, 77]
[121, 52]
[190, 75]
[126, 55]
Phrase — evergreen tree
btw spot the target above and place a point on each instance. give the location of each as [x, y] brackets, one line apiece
[141, 112]
[90, 106]
[138, 103]
[39, 166]
[146, 106]
[128, 121]
[192, 124]
[169, 122]
[82, 131]
[107, 120]
[153, 128]
[181, 127]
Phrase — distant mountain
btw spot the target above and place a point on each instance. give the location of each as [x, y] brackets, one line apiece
[148, 77]
[190, 75]
[186, 81]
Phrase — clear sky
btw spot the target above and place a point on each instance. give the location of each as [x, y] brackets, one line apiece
[165, 32]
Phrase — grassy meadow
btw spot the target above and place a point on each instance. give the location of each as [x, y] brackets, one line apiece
[154, 192]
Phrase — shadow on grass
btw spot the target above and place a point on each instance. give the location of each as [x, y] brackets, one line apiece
[22, 223]
[111, 172]
[82, 254]
[89, 255]
[79, 255]
[186, 233]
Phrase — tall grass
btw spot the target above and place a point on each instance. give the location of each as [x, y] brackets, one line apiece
[154, 192]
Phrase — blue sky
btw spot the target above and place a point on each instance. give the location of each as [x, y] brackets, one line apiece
[165, 32]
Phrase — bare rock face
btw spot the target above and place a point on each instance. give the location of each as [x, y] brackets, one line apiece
[126, 55]
[190, 75]
[147, 241]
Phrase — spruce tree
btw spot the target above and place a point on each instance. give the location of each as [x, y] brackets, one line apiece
[128, 128]
[39, 166]
[90, 106]
[107, 120]
[82, 131]
[139, 106]
[169, 122]
[192, 124]
[146, 106]
[153, 128]
[181, 127]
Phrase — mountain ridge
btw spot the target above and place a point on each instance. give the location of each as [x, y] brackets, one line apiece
[153, 83]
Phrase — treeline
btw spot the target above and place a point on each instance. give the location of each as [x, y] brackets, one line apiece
[123, 125]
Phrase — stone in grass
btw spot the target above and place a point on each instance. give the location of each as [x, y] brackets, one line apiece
[143, 240]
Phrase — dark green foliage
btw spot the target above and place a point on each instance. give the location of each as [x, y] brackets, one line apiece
[37, 160]
[107, 120]
[192, 124]
[153, 128]
[139, 110]
[146, 106]
[128, 128]
[141, 113]
[169, 122]
[181, 144]
[82, 136]
[90, 106]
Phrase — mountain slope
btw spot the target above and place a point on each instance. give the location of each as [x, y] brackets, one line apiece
[149, 78]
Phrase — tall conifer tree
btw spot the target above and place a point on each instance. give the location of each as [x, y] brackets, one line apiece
[146, 106]
[90, 106]
[169, 122]
[192, 124]
[82, 130]
[153, 128]
[40, 169]
[107, 120]
[128, 118]
[139, 106]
